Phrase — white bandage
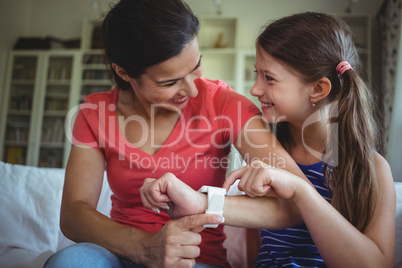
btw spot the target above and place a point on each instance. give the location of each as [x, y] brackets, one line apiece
[216, 200]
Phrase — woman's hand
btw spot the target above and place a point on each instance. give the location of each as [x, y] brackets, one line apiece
[173, 196]
[176, 244]
[260, 179]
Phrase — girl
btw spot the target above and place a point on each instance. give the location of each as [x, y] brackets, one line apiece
[310, 90]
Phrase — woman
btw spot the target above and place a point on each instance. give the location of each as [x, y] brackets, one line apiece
[306, 81]
[162, 117]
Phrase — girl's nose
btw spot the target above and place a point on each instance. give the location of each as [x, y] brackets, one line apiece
[257, 89]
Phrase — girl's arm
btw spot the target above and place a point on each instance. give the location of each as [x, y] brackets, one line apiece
[341, 244]
[81, 222]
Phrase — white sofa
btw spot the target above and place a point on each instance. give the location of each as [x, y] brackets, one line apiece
[29, 218]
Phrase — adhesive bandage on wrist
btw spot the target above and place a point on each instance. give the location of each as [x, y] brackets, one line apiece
[216, 200]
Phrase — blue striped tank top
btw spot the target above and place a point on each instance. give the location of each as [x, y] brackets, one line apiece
[294, 247]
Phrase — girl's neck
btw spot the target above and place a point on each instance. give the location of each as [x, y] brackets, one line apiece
[307, 142]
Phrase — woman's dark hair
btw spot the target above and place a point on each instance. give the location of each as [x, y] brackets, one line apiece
[313, 44]
[138, 34]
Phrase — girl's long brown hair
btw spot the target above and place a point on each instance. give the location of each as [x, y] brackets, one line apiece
[314, 44]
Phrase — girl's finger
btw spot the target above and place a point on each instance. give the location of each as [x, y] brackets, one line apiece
[233, 176]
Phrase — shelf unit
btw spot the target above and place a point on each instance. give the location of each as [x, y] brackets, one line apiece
[95, 76]
[217, 42]
[39, 92]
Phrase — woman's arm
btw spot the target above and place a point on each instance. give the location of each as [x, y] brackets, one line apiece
[341, 244]
[257, 144]
[81, 222]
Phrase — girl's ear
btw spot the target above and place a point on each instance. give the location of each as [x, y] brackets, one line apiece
[120, 72]
[320, 90]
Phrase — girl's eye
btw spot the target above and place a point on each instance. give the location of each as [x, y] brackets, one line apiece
[268, 78]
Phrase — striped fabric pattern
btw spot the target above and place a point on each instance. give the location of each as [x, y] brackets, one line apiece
[294, 247]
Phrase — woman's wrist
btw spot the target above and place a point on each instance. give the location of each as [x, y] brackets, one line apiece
[203, 201]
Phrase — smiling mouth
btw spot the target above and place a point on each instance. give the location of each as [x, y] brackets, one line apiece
[179, 100]
[266, 104]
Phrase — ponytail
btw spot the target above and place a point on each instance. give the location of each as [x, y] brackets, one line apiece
[353, 178]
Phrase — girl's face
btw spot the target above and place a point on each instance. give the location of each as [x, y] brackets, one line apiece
[170, 84]
[283, 95]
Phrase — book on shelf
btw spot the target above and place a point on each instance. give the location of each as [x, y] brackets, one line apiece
[50, 163]
[23, 103]
[54, 133]
[95, 75]
[15, 155]
[17, 132]
[93, 59]
[56, 104]
[50, 158]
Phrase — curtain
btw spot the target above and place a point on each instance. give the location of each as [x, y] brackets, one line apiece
[390, 23]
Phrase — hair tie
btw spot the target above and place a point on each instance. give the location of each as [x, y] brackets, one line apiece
[343, 66]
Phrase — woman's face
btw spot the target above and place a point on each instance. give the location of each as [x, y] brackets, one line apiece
[171, 83]
[283, 95]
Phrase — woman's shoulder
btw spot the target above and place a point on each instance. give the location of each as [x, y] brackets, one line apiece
[106, 97]
[218, 92]
[210, 84]
[102, 102]
[210, 87]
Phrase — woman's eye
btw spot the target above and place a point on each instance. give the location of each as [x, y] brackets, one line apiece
[170, 84]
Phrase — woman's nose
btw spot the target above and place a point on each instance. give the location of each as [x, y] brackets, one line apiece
[190, 90]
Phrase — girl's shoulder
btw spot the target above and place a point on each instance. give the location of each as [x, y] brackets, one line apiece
[383, 174]
[382, 165]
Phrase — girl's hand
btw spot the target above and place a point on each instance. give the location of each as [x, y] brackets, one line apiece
[173, 196]
[261, 179]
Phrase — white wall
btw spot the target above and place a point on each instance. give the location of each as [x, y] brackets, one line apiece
[15, 16]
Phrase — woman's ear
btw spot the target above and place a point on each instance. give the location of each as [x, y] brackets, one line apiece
[120, 72]
[321, 89]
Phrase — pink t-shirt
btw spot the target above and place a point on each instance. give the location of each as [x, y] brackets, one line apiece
[196, 152]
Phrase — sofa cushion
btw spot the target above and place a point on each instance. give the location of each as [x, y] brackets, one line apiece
[30, 199]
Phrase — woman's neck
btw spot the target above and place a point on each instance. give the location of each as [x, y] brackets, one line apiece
[130, 105]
